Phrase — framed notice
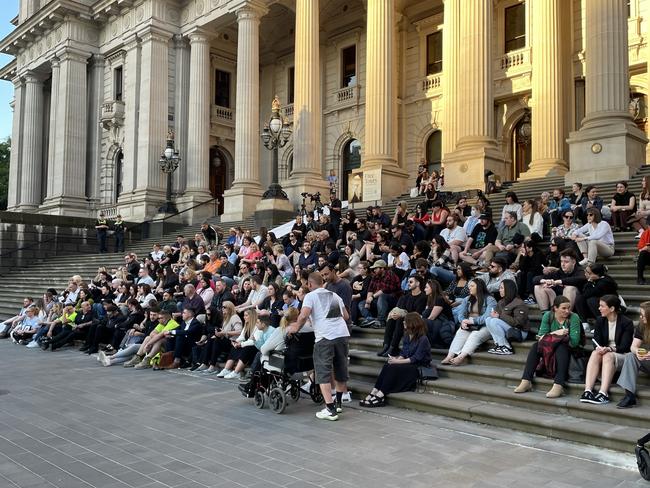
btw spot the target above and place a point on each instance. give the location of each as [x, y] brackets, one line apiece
[355, 188]
[372, 185]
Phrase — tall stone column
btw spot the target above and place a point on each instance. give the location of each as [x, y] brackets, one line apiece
[15, 163]
[241, 199]
[609, 145]
[32, 152]
[450, 63]
[549, 91]
[181, 117]
[307, 172]
[54, 107]
[198, 136]
[381, 172]
[131, 96]
[476, 151]
[95, 100]
[68, 195]
[153, 124]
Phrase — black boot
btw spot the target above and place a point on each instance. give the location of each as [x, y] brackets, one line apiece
[384, 352]
[628, 401]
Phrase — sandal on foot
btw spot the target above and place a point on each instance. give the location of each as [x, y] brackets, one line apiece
[373, 402]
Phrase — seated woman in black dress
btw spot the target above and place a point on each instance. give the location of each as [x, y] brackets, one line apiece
[401, 373]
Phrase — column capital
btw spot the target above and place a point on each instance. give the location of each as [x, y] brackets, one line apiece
[154, 33]
[131, 41]
[33, 77]
[72, 54]
[181, 42]
[199, 36]
[97, 60]
[55, 62]
[249, 10]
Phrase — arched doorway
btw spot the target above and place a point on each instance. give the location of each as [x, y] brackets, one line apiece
[117, 184]
[350, 160]
[434, 152]
[521, 146]
[220, 175]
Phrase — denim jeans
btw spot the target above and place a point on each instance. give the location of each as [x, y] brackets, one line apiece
[383, 304]
[443, 275]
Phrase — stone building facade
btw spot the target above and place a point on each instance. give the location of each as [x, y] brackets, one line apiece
[523, 88]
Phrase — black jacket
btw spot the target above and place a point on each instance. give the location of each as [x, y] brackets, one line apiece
[623, 335]
[603, 286]
[575, 278]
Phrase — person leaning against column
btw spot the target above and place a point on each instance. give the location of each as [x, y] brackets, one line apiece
[560, 323]
[594, 239]
[637, 359]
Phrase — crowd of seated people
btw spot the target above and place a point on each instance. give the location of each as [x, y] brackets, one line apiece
[211, 306]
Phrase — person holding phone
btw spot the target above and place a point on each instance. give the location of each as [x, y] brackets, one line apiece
[637, 359]
[613, 336]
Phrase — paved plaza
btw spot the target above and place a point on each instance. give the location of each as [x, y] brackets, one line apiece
[68, 422]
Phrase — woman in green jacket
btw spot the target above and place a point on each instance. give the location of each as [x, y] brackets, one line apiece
[566, 328]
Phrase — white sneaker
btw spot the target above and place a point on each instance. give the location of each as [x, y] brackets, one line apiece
[584, 262]
[104, 359]
[325, 414]
[347, 397]
[638, 236]
[32, 344]
[232, 375]
[223, 373]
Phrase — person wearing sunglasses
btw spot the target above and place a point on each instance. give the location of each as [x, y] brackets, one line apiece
[568, 226]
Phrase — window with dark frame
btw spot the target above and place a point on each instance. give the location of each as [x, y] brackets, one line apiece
[222, 88]
[434, 53]
[515, 27]
[290, 84]
[349, 66]
[118, 83]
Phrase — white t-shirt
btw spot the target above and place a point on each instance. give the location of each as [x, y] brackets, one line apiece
[326, 314]
[458, 234]
[404, 259]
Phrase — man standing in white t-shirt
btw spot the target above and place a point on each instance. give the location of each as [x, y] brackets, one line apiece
[328, 318]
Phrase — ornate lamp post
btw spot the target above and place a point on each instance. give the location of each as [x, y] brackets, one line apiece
[169, 161]
[275, 135]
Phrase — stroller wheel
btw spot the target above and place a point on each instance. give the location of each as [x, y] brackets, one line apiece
[277, 400]
[259, 399]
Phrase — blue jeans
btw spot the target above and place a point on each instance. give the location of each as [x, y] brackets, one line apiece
[443, 275]
[498, 328]
[383, 304]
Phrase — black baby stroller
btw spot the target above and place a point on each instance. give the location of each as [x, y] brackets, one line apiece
[281, 376]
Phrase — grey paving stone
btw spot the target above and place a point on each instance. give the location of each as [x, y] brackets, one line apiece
[116, 428]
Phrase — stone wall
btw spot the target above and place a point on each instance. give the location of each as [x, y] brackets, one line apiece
[25, 238]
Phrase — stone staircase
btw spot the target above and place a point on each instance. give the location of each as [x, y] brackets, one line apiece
[480, 391]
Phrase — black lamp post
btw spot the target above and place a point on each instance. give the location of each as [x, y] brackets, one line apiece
[169, 161]
[275, 135]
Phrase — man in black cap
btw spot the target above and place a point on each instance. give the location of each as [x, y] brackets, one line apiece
[101, 225]
[484, 233]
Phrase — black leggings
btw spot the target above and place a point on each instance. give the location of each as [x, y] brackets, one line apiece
[213, 349]
[561, 363]
[642, 263]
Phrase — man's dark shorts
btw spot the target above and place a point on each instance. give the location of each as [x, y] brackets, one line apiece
[331, 355]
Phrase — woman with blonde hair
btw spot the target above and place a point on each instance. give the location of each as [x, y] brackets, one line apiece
[244, 339]
[637, 359]
[401, 213]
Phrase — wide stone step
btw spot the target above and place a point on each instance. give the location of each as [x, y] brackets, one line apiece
[555, 425]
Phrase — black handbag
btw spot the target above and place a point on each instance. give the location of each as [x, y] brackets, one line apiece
[577, 367]
[427, 373]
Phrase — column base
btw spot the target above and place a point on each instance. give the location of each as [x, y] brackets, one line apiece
[298, 184]
[141, 204]
[201, 212]
[69, 206]
[27, 208]
[240, 202]
[606, 152]
[380, 182]
[273, 212]
[542, 168]
[465, 168]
